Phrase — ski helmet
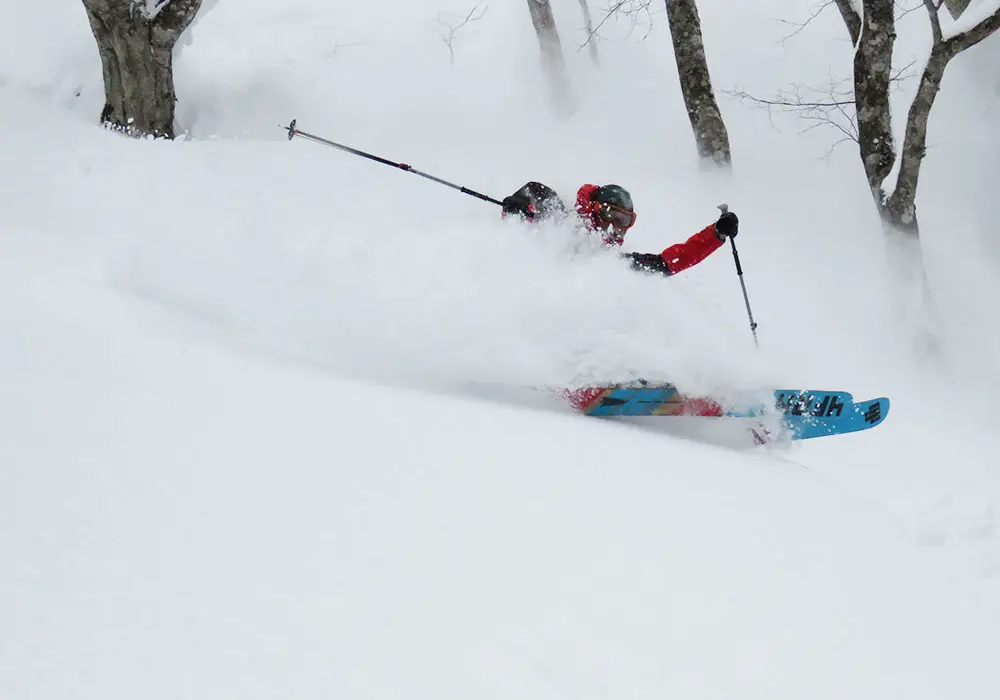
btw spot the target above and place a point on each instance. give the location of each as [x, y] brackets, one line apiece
[615, 195]
[613, 208]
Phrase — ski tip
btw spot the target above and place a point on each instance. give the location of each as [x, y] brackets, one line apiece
[873, 412]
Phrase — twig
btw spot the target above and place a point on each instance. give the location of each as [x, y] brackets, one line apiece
[450, 25]
[627, 8]
[801, 26]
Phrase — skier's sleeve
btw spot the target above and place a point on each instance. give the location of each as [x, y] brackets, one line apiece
[681, 256]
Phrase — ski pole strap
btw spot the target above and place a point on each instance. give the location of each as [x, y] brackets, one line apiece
[293, 131]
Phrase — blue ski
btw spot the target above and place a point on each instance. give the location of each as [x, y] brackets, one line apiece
[851, 418]
[802, 414]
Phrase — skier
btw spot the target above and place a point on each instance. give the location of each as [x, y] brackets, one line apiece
[607, 210]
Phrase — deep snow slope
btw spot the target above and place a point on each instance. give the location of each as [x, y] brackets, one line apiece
[267, 424]
[180, 519]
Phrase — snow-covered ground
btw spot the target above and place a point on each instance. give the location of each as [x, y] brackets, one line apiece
[265, 427]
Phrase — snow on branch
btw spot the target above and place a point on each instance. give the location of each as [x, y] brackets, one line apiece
[979, 20]
[169, 14]
[150, 9]
[852, 18]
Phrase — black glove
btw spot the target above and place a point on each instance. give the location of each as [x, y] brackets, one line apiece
[727, 226]
[648, 262]
[518, 204]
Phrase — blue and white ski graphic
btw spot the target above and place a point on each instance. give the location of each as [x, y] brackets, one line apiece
[802, 414]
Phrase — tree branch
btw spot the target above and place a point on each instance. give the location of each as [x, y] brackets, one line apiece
[628, 8]
[790, 103]
[801, 26]
[902, 203]
[903, 11]
[833, 112]
[933, 9]
[967, 39]
[837, 111]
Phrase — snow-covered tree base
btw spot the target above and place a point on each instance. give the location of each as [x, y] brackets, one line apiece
[136, 42]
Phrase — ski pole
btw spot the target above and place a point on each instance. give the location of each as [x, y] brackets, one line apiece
[293, 132]
[724, 208]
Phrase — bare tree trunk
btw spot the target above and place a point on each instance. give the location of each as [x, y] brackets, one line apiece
[553, 62]
[872, 73]
[710, 133]
[136, 42]
[588, 22]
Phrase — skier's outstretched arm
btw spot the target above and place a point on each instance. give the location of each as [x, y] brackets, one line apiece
[681, 256]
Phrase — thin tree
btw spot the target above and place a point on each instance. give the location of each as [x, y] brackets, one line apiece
[553, 62]
[136, 41]
[588, 24]
[710, 134]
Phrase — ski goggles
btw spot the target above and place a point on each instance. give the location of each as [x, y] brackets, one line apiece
[616, 216]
